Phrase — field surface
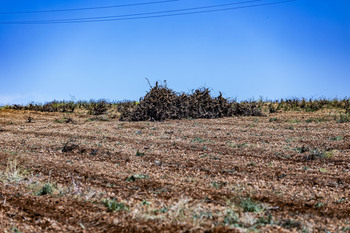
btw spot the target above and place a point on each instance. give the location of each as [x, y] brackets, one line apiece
[286, 172]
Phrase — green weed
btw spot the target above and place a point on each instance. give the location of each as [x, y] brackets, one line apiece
[241, 145]
[274, 119]
[342, 118]
[113, 205]
[231, 218]
[337, 138]
[197, 139]
[294, 121]
[316, 120]
[319, 154]
[133, 178]
[46, 189]
[218, 185]
[249, 205]
[290, 224]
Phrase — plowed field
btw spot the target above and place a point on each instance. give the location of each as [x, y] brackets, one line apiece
[287, 172]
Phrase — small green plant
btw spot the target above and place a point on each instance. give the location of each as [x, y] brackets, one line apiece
[273, 119]
[133, 178]
[113, 205]
[323, 170]
[217, 184]
[342, 118]
[302, 149]
[316, 120]
[64, 120]
[290, 224]
[46, 189]
[214, 157]
[329, 154]
[162, 210]
[231, 218]
[340, 200]
[12, 172]
[337, 138]
[98, 118]
[249, 205]
[319, 205]
[265, 220]
[319, 154]
[241, 145]
[197, 139]
[144, 202]
[294, 121]
[14, 229]
[203, 215]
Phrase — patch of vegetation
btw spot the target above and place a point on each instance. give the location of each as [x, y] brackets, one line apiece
[316, 120]
[139, 154]
[342, 118]
[319, 154]
[197, 139]
[240, 145]
[133, 178]
[64, 120]
[214, 157]
[293, 121]
[265, 220]
[114, 205]
[14, 229]
[323, 170]
[218, 184]
[145, 202]
[337, 138]
[12, 173]
[273, 119]
[252, 164]
[98, 118]
[92, 107]
[162, 103]
[249, 205]
[46, 189]
[312, 105]
[290, 224]
[231, 219]
[302, 149]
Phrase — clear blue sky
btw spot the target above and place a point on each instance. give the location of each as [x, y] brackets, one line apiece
[295, 49]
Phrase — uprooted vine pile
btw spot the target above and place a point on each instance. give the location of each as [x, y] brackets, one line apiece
[162, 103]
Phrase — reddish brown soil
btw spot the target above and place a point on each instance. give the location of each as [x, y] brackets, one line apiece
[175, 176]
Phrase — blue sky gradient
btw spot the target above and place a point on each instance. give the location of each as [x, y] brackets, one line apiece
[295, 49]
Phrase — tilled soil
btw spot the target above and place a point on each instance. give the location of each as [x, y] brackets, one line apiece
[287, 172]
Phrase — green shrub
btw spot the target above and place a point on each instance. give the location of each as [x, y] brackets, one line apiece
[342, 118]
[46, 189]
